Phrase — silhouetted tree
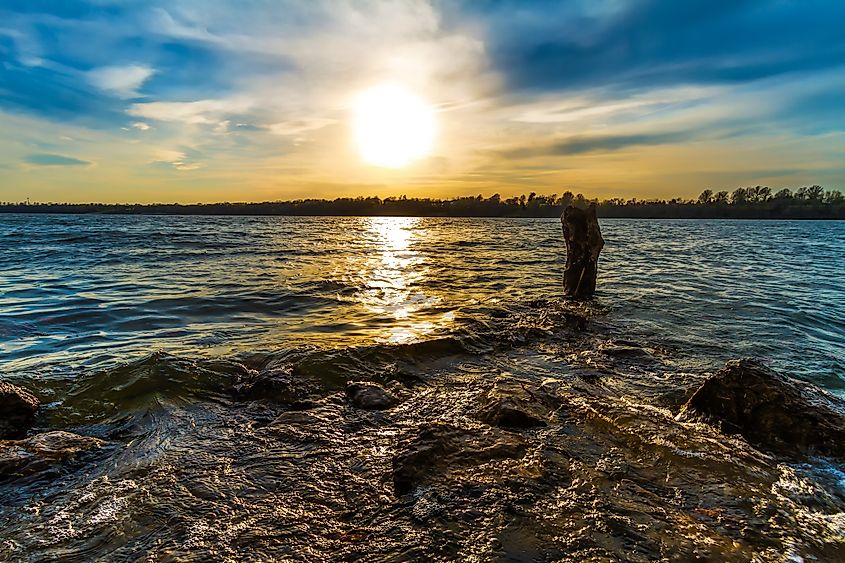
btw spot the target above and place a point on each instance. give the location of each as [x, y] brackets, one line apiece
[756, 202]
[815, 193]
[834, 198]
[739, 196]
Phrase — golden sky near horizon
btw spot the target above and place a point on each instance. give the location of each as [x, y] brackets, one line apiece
[197, 102]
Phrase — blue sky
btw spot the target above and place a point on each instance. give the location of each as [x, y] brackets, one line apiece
[193, 100]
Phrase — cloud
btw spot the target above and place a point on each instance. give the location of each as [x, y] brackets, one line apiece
[644, 44]
[177, 159]
[262, 64]
[54, 160]
[581, 144]
[196, 112]
[592, 105]
[248, 127]
[253, 89]
[299, 126]
[122, 81]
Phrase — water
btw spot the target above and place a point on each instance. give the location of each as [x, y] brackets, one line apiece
[136, 330]
[88, 290]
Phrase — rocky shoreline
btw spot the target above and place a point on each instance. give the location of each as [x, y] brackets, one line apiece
[440, 454]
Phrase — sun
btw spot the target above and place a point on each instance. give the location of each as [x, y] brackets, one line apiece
[393, 127]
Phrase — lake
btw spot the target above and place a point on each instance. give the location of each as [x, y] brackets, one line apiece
[88, 290]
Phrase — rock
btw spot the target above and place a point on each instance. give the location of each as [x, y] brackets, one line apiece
[439, 447]
[583, 245]
[771, 411]
[369, 396]
[515, 404]
[17, 410]
[623, 349]
[24, 457]
[282, 386]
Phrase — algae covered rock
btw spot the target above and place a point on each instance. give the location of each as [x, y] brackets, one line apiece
[771, 411]
[17, 410]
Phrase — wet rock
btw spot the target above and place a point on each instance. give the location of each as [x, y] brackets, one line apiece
[771, 411]
[282, 386]
[17, 410]
[573, 321]
[24, 457]
[438, 448]
[516, 404]
[624, 349]
[369, 396]
[583, 245]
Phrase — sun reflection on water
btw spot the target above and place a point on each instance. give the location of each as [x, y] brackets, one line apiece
[394, 279]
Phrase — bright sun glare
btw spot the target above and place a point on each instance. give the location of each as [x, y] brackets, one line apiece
[393, 127]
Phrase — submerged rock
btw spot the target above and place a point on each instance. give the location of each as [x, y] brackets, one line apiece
[771, 411]
[369, 396]
[624, 349]
[583, 245]
[24, 457]
[17, 410]
[515, 404]
[439, 447]
[283, 386]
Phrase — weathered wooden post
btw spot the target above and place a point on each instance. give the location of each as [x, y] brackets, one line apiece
[583, 245]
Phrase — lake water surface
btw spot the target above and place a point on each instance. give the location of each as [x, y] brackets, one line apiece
[89, 290]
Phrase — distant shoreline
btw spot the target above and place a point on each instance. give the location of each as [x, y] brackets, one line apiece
[734, 214]
[743, 203]
[840, 217]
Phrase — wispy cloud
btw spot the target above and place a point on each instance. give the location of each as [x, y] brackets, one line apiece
[580, 144]
[299, 126]
[195, 112]
[176, 159]
[122, 81]
[54, 160]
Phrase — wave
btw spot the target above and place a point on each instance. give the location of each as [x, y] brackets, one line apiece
[120, 392]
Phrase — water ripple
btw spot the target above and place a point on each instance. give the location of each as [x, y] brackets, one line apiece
[714, 289]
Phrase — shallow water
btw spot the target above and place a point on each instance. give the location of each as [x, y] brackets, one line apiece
[142, 330]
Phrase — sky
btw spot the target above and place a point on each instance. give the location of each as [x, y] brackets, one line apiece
[204, 100]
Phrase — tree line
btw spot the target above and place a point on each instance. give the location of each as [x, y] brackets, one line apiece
[758, 202]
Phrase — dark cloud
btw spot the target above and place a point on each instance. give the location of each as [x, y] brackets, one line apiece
[595, 143]
[54, 160]
[642, 44]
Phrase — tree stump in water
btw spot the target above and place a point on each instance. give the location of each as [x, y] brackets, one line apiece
[583, 245]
